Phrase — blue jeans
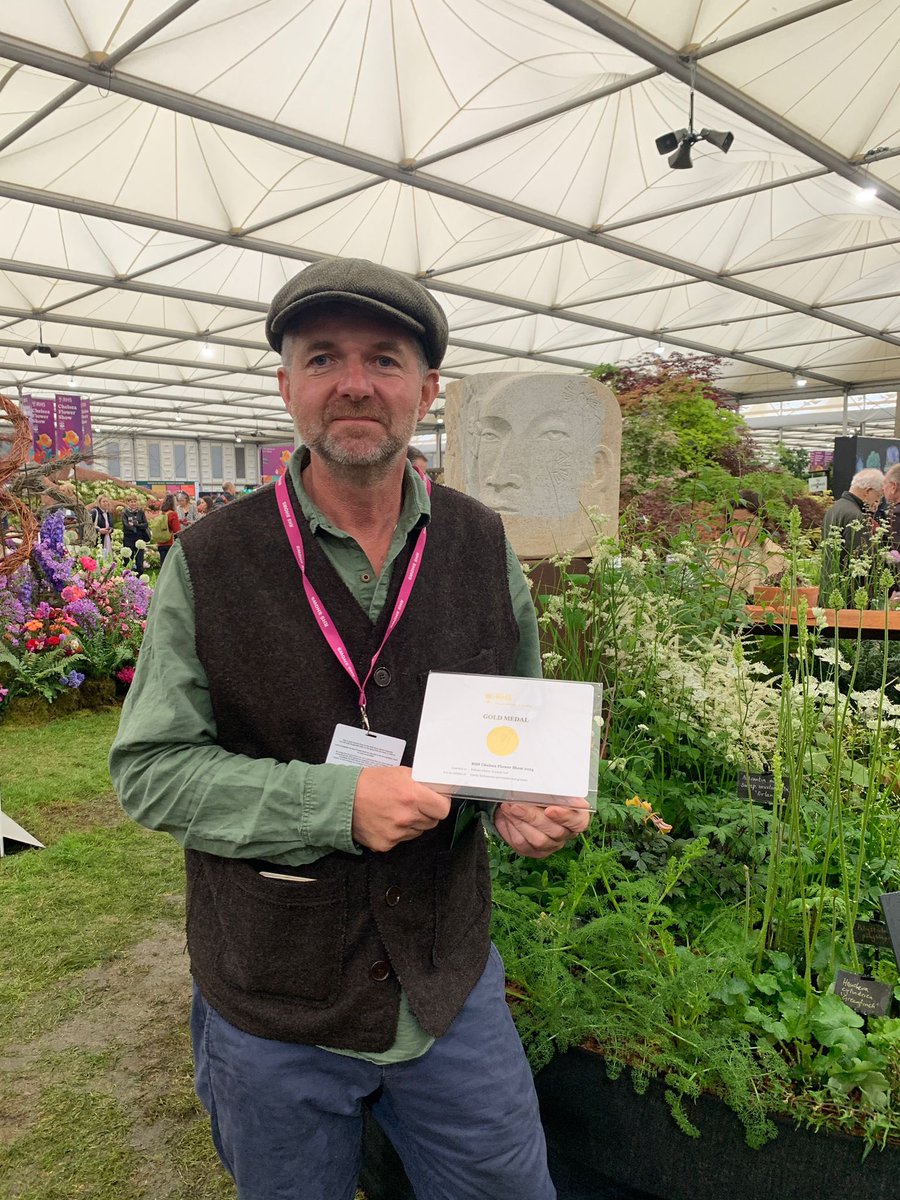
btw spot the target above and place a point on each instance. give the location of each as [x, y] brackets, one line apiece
[287, 1118]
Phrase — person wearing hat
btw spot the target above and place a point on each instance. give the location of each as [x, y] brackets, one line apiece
[337, 910]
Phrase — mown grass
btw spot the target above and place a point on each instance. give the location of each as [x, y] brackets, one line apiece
[118, 1122]
[90, 893]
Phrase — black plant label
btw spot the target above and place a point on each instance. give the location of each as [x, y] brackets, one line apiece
[863, 995]
[759, 786]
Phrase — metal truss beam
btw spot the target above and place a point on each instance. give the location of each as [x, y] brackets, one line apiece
[168, 98]
[110, 61]
[749, 35]
[628, 330]
[112, 213]
[684, 66]
[537, 119]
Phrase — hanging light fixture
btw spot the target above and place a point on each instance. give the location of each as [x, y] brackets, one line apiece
[679, 144]
[206, 350]
[799, 381]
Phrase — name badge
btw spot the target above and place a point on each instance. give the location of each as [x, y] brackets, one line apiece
[363, 748]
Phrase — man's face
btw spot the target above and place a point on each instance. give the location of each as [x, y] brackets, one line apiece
[891, 491]
[872, 498]
[354, 387]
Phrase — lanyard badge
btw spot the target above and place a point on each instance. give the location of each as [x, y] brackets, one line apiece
[319, 611]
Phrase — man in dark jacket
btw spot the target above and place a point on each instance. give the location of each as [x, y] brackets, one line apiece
[846, 533]
[338, 914]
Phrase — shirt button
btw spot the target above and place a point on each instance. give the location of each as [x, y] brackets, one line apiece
[382, 676]
[365, 577]
[380, 970]
[392, 896]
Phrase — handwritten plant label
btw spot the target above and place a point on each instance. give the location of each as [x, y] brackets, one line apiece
[863, 995]
[759, 786]
[872, 933]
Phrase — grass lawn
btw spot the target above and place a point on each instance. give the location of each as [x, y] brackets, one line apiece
[96, 1094]
[96, 1086]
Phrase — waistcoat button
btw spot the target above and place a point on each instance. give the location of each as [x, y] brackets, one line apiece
[380, 970]
[392, 896]
[382, 676]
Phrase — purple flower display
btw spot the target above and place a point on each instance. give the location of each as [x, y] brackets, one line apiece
[74, 679]
[50, 552]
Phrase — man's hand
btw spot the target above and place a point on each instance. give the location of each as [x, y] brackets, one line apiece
[390, 807]
[536, 832]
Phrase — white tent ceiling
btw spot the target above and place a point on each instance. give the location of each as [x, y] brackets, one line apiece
[165, 167]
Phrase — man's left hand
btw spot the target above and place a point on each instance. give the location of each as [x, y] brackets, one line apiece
[537, 832]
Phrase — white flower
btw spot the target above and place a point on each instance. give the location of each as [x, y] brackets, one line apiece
[827, 654]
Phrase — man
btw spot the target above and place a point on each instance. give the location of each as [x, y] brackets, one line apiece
[892, 500]
[227, 494]
[418, 460]
[337, 914]
[846, 533]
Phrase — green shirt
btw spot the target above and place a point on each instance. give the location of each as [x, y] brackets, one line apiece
[171, 774]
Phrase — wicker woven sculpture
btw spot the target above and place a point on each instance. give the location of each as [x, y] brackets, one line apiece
[15, 549]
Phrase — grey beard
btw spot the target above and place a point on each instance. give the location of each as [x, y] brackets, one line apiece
[359, 465]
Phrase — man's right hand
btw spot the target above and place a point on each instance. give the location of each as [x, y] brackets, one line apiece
[389, 807]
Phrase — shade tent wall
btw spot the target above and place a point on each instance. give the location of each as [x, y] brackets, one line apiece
[164, 167]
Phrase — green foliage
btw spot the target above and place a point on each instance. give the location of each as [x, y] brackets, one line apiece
[693, 934]
[793, 460]
[37, 674]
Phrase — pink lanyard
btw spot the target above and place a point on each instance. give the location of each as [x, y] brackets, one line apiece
[332, 637]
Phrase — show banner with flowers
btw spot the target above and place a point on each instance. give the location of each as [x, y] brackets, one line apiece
[41, 413]
[73, 425]
[273, 461]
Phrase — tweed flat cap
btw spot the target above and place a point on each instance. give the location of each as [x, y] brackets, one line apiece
[368, 285]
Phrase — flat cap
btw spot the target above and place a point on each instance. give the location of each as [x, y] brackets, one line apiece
[366, 284]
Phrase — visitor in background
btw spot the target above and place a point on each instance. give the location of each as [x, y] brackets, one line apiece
[135, 529]
[417, 459]
[338, 914]
[164, 525]
[202, 507]
[185, 509]
[851, 516]
[101, 515]
[892, 502]
[227, 494]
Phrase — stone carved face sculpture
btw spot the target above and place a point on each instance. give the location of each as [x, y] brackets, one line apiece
[528, 460]
[539, 450]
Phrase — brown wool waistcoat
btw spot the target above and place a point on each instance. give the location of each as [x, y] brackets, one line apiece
[324, 962]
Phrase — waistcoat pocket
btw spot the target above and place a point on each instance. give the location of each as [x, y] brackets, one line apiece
[282, 939]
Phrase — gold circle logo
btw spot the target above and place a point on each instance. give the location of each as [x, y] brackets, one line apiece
[502, 741]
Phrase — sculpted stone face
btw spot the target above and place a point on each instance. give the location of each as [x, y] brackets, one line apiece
[539, 450]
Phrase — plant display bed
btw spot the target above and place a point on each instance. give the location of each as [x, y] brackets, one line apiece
[606, 1142]
[601, 1133]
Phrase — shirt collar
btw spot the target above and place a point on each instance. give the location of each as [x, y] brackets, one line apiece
[415, 512]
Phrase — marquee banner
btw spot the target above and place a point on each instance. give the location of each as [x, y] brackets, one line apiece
[73, 425]
[273, 461]
[41, 413]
